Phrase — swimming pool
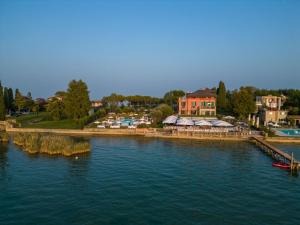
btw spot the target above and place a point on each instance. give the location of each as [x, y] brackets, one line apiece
[290, 132]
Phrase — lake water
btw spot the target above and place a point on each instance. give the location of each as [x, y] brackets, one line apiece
[148, 181]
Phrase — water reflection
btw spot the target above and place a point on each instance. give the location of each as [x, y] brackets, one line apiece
[3, 158]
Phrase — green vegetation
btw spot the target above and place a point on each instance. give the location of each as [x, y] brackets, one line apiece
[171, 98]
[4, 137]
[50, 144]
[56, 109]
[77, 101]
[2, 104]
[221, 98]
[243, 103]
[44, 120]
[115, 103]
[159, 113]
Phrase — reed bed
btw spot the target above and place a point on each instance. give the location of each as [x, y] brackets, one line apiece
[50, 144]
[4, 137]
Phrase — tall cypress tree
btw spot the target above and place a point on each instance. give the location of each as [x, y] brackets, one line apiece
[2, 104]
[221, 97]
[6, 99]
[11, 99]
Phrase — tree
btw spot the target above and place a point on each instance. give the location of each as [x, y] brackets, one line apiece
[19, 100]
[6, 99]
[2, 104]
[243, 103]
[221, 97]
[11, 99]
[77, 101]
[171, 98]
[161, 112]
[56, 109]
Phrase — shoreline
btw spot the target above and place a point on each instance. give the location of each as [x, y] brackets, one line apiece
[147, 133]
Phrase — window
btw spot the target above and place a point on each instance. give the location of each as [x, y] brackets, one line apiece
[183, 104]
[193, 104]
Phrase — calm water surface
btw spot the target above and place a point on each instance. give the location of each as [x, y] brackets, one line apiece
[148, 181]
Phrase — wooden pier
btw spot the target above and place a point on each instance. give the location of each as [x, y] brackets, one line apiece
[276, 153]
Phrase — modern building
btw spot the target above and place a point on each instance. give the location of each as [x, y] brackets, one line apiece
[198, 103]
[269, 109]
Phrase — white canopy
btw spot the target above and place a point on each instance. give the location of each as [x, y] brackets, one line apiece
[229, 117]
[221, 123]
[184, 122]
[97, 122]
[170, 120]
[202, 123]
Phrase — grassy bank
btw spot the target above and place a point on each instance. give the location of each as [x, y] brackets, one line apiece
[42, 120]
[50, 144]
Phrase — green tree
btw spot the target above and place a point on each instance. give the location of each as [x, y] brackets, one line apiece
[221, 97]
[11, 99]
[19, 100]
[2, 104]
[160, 112]
[171, 98]
[77, 101]
[56, 109]
[243, 103]
[6, 99]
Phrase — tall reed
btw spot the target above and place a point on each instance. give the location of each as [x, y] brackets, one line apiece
[50, 144]
[4, 137]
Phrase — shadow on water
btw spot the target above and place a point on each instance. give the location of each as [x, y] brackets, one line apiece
[3, 158]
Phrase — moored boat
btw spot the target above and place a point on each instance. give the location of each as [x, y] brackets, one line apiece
[281, 165]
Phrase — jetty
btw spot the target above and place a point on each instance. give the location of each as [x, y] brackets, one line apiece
[276, 153]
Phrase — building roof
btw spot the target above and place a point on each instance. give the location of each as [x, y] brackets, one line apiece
[202, 93]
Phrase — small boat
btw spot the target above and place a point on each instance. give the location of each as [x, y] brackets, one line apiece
[281, 165]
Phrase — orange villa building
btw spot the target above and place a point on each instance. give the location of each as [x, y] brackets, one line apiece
[198, 103]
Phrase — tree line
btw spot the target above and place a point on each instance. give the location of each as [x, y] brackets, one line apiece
[241, 102]
[74, 103]
[10, 102]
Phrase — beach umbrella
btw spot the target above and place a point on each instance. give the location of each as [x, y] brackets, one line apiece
[202, 123]
[221, 123]
[170, 120]
[184, 122]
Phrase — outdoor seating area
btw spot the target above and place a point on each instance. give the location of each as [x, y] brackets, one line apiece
[195, 122]
[116, 122]
[199, 125]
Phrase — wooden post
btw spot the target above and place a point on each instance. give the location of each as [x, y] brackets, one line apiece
[292, 162]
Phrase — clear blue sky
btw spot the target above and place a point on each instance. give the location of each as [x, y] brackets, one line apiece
[148, 47]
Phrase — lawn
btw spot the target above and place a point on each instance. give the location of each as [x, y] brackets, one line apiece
[42, 121]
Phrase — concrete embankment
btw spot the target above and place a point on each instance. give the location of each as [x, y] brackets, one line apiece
[84, 132]
[283, 139]
[143, 132]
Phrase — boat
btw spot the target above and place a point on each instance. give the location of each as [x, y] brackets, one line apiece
[281, 165]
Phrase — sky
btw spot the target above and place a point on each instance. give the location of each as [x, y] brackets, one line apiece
[148, 47]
